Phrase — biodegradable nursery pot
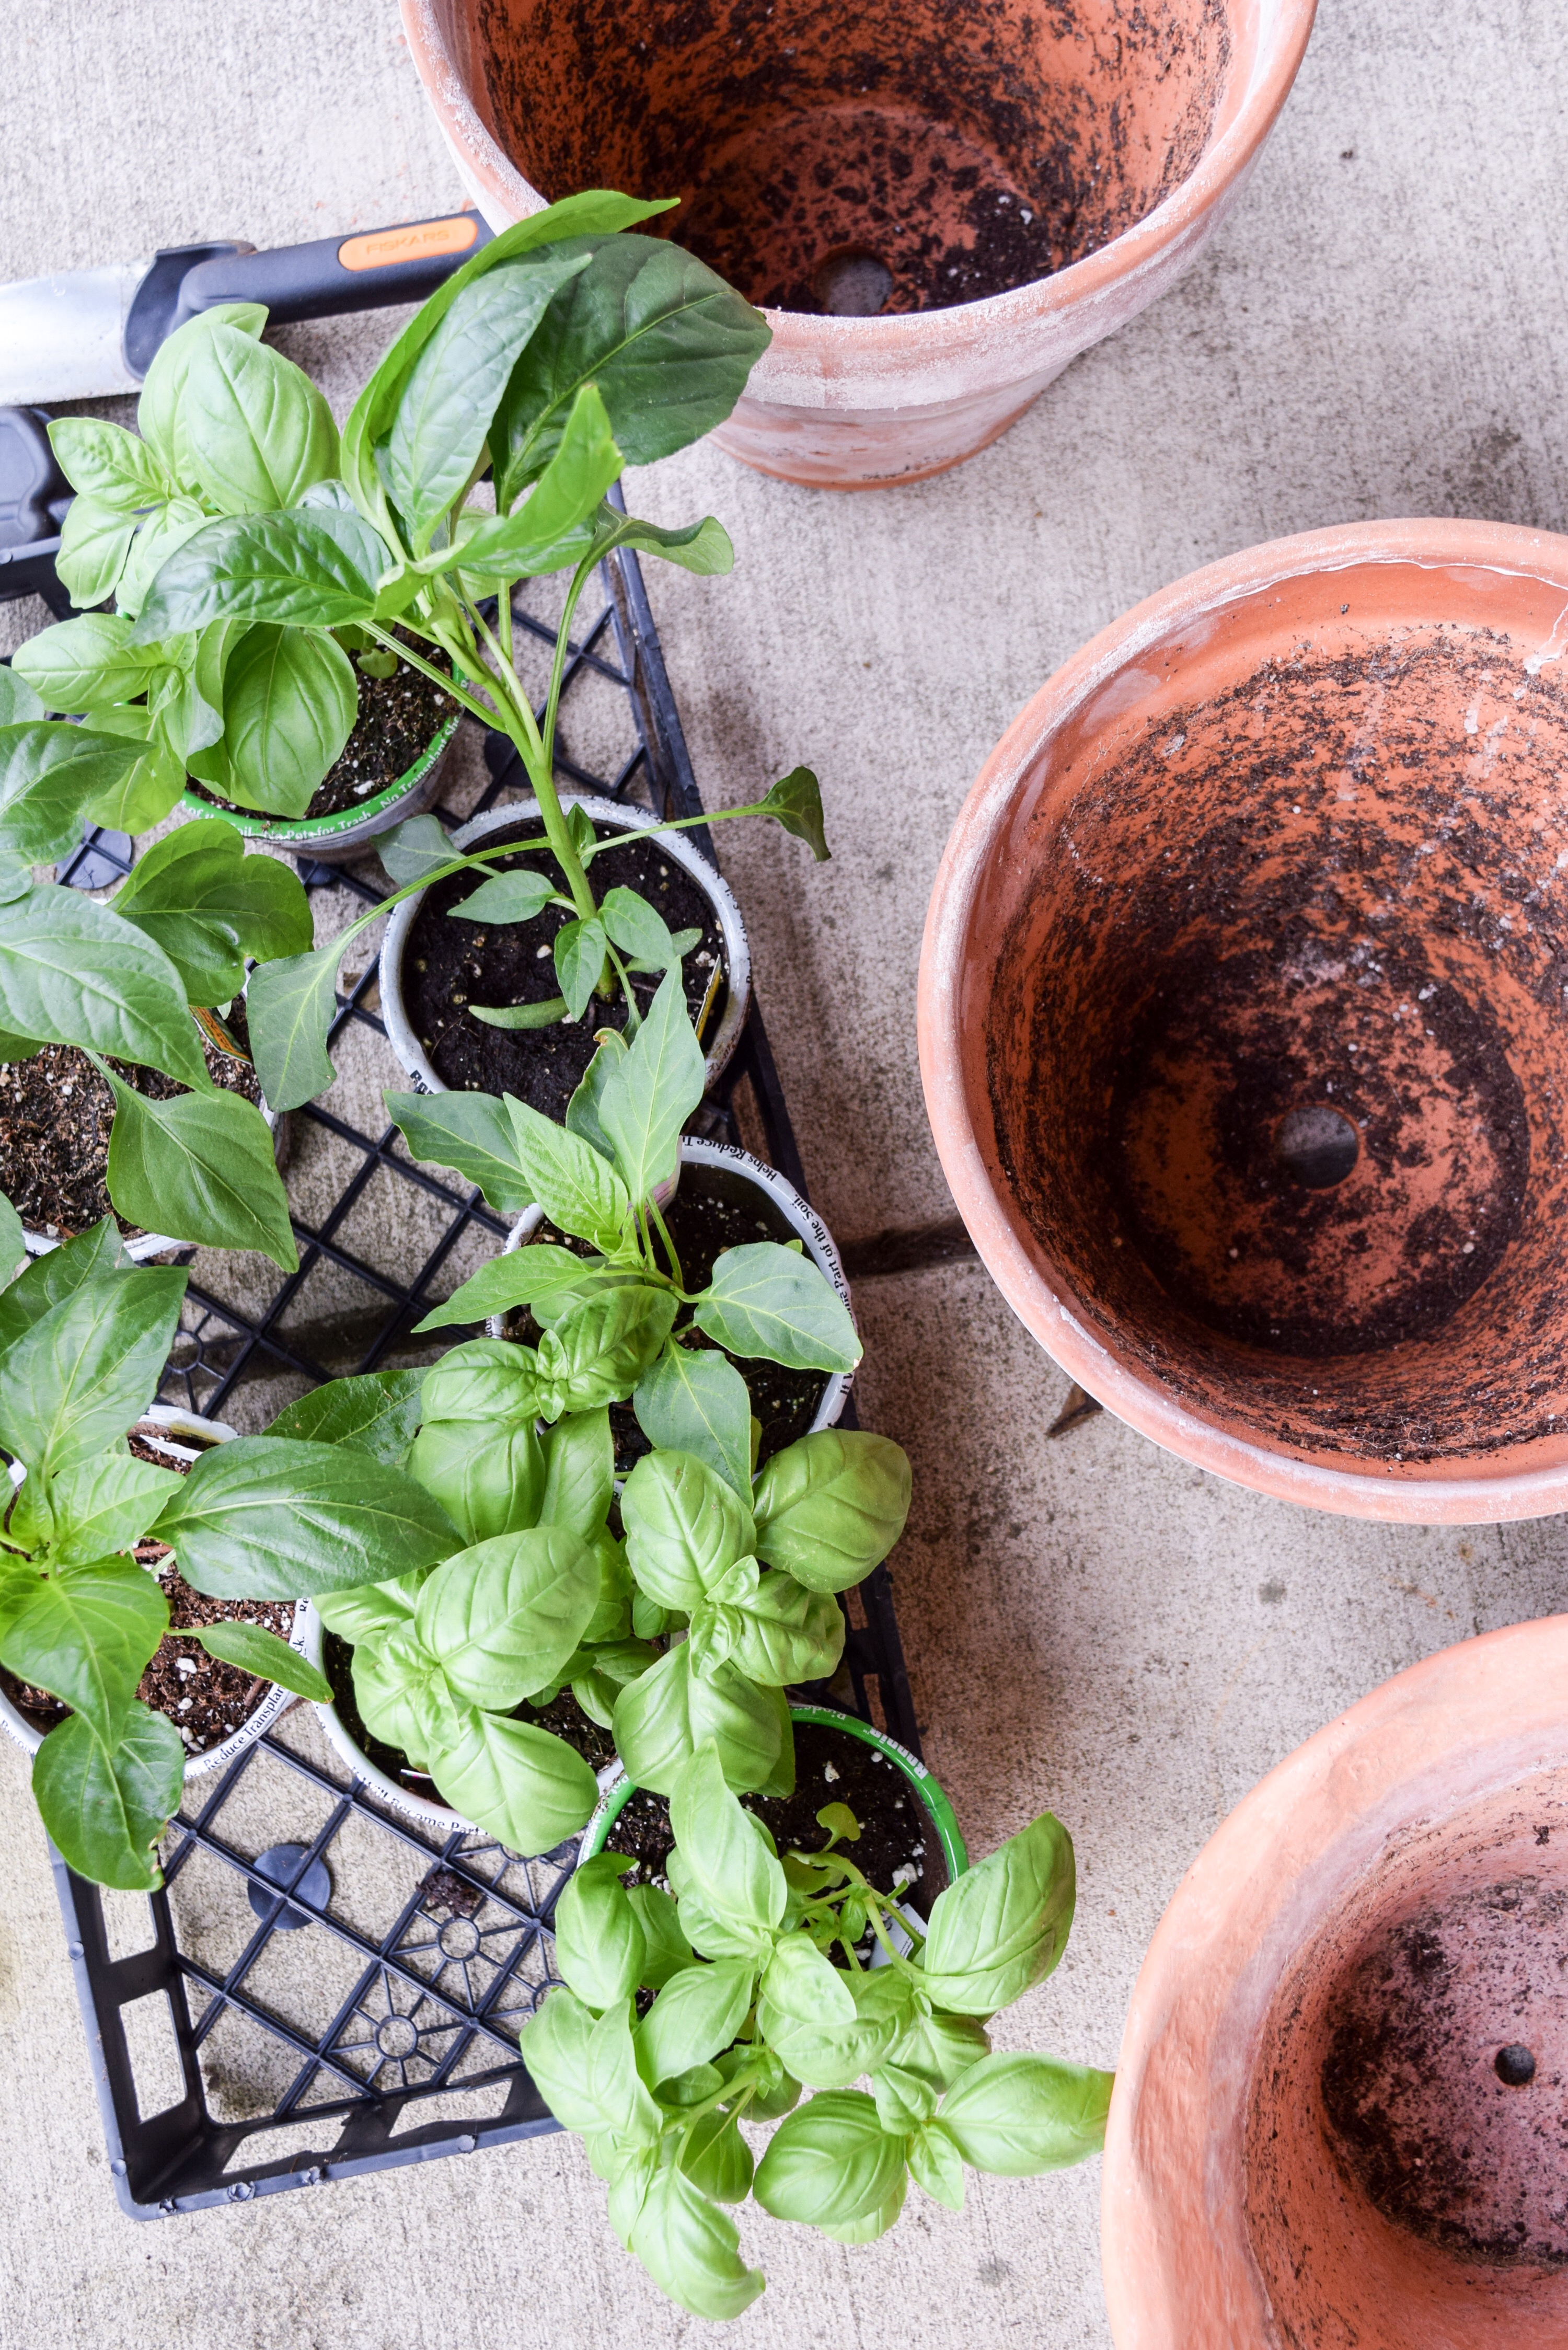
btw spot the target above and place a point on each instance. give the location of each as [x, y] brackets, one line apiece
[184, 1436]
[674, 849]
[1244, 1026]
[1064, 165]
[333, 839]
[773, 1210]
[1337, 2117]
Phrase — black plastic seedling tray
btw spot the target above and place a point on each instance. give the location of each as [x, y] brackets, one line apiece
[322, 1989]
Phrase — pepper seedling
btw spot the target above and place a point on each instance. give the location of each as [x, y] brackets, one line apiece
[750, 2007]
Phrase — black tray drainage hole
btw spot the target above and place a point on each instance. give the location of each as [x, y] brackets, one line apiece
[852, 284]
[1515, 2065]
[1317, 1146]
[277, 1864]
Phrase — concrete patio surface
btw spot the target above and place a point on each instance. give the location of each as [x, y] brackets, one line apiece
[1090, 1625]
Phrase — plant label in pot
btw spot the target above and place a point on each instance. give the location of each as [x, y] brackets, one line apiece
[1241, 1026]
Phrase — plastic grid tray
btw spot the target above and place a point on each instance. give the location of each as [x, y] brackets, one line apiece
[386, 2033]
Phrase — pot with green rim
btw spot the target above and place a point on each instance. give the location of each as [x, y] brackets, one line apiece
[331, 840]
[936, 1853]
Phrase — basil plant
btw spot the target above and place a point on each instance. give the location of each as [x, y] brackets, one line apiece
[254, 711]
[566, 350]
[677, 1617]
[759, 1992]
[83, 1341]
[624, 1307]
[117, 980]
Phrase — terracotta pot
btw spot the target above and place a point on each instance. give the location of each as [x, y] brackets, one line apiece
[1064, 165]
[1337, 2117]
[1243, 1019]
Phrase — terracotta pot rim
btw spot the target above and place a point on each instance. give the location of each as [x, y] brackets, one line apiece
[1285, 28]
[1472, 1719]
[1412, 1494]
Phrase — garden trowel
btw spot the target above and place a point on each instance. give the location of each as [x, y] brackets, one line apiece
[86, 333]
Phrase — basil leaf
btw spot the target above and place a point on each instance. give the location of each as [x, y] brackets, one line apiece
[290, 700]
[722, 1849]
[95, 539]
[795, 800]
[48, 773]
[661, 1719]
[202, 1167]
[522, 1786]
[585, 2070]
[84, 1370]
[208, 905]
[685, 1526]
[504, 1616]
[377, 1414]
[578, 1192]
[579, 951]
[415, 848]
[48, 1280]
[490, 1481]
[472, 1133]
[268, 1518]
[1020, 2116]
[940, 2048]
[257, 430]
[315, 570]
[784, 1634]
[651, 1091]
[596, 212]
[1000, 1928]
[371, 1610]
[72, 972]
[668, 1951]
[579, 1473]
[142, 794]
[935, 2163]
[693, 1400]
[801, 1986]
[85, 1633]
[765, 1300]
[256, 1650]
[109, 462]
[164, 533]
[487, 1379]
[290, 1006]
[599, 1349]
[830, 2163]
[103, 1505]
[717, 2159]
[690, 2250]
[19, 706]
[826, 2048]
[696, 2016]
[831, 1506]
[103, 1811]
[160, 412]
[446, 402]
[668, 344]
[504, 897]
[78, 664]
[599, 1946]
[401, 1693]
[13, 1240]
[905, 2102]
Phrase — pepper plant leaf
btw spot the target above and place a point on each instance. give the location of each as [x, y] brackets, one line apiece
[795, 800]
[75, 1378]
[290, 1006]
[694, 1401]
[103, 1809]
[472, 1133]
[270, 1518]
[255, 1650]
[652, 1089]
[48, 773]
[199, 896]
[768, 1301]
[85, 1633]
[103, 1505]
[201, 1167]
[378, 1413]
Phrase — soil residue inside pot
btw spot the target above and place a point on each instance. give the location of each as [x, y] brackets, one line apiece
[563, 1715]
[399, 718]
[1319, 904]
[449, 963]
[206, 1700]
[713, 1210]
[55, 1116]
[901, 156]
[898, 1841]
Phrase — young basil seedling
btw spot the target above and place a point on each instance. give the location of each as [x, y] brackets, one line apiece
[750, 2006]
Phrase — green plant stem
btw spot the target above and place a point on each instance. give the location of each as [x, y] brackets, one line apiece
[669, 1248]
[448, 685]
[674, 824]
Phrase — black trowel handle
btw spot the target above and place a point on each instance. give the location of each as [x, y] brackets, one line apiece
[322, 280]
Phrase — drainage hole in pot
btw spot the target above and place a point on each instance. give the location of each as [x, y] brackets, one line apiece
[1317, 1146]
[1515, 2065]
[852, 284]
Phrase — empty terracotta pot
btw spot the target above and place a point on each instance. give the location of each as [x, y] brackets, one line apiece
[940, 203]
[1337, 2118]
[1244, 1019]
